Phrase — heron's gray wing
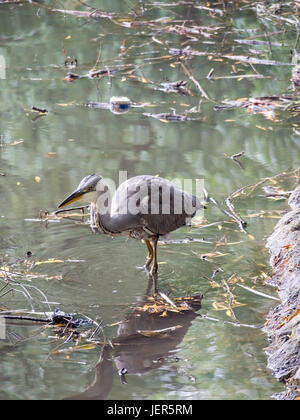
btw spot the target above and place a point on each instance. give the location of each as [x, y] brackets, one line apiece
[151, 202]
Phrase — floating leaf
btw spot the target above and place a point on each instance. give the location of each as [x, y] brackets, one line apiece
[14, 143]
[81, 347]
[49, 261]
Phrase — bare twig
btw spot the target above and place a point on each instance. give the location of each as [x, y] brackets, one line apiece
[242, 224]
[257, 293]
[27, 318]
[230, 299]
[196, 83]
[5, 293]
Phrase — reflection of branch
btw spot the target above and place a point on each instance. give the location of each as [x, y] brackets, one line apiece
[5, 293]
[242, 224]
[24, 291]
[230, 300]
[235, 158]
[252, 187]
[229, 200]
[196, 83]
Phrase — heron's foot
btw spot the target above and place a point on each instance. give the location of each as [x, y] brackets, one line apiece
[141, 267]
[145, 267]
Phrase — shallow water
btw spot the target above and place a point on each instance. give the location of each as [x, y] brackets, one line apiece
[44, 159]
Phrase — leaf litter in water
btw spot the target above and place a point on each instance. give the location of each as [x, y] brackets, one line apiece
[161, 304]
[265, 105]
[168, 117]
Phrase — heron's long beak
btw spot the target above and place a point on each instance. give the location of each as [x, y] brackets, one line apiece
[76, 195]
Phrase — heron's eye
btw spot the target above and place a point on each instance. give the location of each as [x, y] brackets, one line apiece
[88, 189]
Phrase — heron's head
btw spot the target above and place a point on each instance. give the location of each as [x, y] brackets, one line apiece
[87, 190]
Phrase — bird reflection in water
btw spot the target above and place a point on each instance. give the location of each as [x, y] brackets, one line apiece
[145, 340]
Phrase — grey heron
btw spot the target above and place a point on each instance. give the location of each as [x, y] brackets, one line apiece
[144, 207]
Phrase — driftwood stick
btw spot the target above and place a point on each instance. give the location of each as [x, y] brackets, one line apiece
[27, 318]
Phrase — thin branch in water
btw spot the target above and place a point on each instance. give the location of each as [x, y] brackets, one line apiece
[43, 294]
[26, 318]
[242, 223]
[26, 294]
[5, 293]
[235, 324]
[230, 299]
[98, 58]
[2, 288]
[196, 83]
[97, 329]
[257, 293]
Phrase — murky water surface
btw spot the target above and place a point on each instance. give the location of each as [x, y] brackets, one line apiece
[44, 156]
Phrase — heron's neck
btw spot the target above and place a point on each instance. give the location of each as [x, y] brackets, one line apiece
[101, 213]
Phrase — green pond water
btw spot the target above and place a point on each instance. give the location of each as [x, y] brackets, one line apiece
[44, 157]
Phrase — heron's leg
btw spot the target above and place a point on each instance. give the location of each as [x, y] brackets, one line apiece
[154, 277]
[150, 253]
[149, 287]
[154, 262]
